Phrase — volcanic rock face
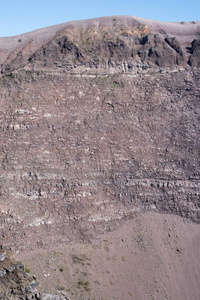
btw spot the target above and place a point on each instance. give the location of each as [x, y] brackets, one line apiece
[107, 44]
[15, 283]
[195, 51]
[97, 124]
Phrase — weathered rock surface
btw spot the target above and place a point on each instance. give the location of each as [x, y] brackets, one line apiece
[195, 54]
[15, 283]
[109, 44]
[81, 153]
[83, 149]
[99, 121]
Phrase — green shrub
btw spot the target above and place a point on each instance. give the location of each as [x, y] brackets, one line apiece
[27, 270]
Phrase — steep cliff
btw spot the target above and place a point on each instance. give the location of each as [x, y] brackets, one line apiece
[99, 122]
[81, 153]
[109, 44]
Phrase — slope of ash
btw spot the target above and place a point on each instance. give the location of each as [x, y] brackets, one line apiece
[153, 256]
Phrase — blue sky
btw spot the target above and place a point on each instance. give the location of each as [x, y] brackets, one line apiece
[20, 16]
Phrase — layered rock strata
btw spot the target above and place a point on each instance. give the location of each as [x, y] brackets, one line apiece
[81, 153]
[99, 121]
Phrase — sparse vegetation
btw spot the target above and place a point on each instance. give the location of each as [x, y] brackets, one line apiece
[84, 284]
[27, 270]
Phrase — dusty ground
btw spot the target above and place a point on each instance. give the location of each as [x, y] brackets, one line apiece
[153, 256]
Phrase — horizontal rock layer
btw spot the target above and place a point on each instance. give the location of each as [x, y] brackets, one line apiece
[81, 153]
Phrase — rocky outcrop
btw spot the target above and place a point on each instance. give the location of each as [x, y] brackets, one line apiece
[113, 44]
[119, 52]
[194, 59]
[15, 282]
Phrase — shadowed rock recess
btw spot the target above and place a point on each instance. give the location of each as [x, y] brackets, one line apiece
[99, 121]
